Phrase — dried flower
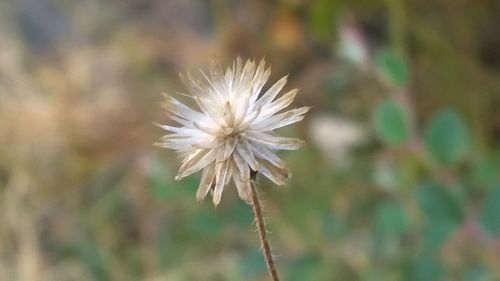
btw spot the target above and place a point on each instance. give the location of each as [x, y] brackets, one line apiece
[233, 133]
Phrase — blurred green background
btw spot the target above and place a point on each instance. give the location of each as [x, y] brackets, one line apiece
[400, 179]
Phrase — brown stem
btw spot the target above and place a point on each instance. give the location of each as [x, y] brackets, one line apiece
[261, 227]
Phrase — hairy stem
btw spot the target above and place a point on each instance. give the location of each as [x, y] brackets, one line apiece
[261, 227]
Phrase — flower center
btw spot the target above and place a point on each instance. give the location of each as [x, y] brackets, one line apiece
[229, 131]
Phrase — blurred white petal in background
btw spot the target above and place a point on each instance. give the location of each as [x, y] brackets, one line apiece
[336, 137]
[352, 45]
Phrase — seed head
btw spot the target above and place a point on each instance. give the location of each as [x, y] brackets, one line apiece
[232, 133]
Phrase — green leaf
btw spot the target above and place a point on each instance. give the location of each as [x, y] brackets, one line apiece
[446, 138]
[391, 218]
[435, 234]
[443, 214]
[391, 122]
[485, 172]
[392, 67]
[439, 205]
[490, 214]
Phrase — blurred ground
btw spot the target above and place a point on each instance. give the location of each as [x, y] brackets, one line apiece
[400, 179]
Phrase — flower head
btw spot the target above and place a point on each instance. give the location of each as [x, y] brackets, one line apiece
[232, 133]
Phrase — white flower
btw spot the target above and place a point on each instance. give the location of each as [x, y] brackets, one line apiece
[336, 137]
[232, 133]
[352, 45]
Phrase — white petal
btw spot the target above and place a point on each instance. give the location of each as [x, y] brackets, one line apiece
[243, 168]
[221, 169]
[204, 128]
[228, 78]
[197, 161]
[259, 72]
[211, 110]
[272, 92]
[263, 152]
[183, 142]
[193, 86]
[243, 186]
[207, 179]
[214, 86]
[250, 118]
[181, 110]
[274, 142]
[230, 171]
[241, 108]
[228, 114]
[183, 114]
[245, 150]
[279, 120]
[279, 104]
[199, 88]
[178, 130]
[175, 141]
[247, 74]
[216, 76]
[229, 146]
[182, 121]
[260, 79]
[237, 69]
[276, 174]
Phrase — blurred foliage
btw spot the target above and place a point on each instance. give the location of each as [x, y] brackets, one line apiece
[402, 182]
[391, 122]
[445, 137]
[490, 213]
[392, 68]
